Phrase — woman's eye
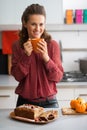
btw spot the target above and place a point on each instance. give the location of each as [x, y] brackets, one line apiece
[41, 24]
[33, 24]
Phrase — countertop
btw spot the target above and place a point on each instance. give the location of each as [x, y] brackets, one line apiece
[63, 122]
[9, 81]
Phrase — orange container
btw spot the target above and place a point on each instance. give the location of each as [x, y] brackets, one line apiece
[34, 43]
[69, 12]
[69, 20]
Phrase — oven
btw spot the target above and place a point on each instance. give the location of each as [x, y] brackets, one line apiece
[3, 63]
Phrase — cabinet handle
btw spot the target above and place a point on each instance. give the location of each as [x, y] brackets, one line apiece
[4, 95]
[82, 94]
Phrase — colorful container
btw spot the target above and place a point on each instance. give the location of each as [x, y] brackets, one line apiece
[85, 19]
[79, 19]
[69, 16]
[85, 12]
[78, 12]
[69, 12]
[69, 20]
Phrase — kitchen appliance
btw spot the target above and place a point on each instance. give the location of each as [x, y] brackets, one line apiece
[82, 65]
[74, 76]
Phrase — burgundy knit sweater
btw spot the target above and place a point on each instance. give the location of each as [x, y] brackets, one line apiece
[36, 78]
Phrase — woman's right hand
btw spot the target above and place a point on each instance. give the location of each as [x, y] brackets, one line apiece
[28, 47]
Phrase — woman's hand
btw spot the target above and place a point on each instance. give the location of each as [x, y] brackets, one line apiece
[28, 47]
[42, 48]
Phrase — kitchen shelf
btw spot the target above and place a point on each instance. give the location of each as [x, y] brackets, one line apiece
[66, 27]
[74, 49]
[49, 27]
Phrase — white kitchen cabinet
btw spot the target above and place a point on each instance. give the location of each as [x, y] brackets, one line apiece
[64, 96]
[69, 91]
[7, 98]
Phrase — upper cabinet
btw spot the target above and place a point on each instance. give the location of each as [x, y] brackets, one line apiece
[11, 12]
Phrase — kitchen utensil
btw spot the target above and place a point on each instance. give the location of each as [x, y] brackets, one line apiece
[34, 43]
[70, 111]
[82, 65]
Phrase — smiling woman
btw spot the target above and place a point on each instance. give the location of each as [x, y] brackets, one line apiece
[37, 71]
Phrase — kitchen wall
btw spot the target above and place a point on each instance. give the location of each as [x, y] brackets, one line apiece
[72, 40]
[72, 44]
[13, 9]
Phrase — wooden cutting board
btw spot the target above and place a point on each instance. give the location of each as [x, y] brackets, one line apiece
[70, 111]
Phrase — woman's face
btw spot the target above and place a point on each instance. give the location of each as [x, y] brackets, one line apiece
[35, 25]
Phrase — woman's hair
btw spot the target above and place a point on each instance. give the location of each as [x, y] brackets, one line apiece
[30, 10]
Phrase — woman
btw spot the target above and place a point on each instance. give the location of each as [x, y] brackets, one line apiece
[37, 72]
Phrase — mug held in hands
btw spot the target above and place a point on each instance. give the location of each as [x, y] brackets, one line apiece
[34, 43]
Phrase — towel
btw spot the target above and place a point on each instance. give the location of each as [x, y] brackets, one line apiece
[8, 38]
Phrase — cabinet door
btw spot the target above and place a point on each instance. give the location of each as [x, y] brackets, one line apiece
[64, 96]
[81, 92]
[7, 98]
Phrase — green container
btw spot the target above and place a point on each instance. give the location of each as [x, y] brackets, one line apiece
[85, 12]
[84, 20]
[85, 17]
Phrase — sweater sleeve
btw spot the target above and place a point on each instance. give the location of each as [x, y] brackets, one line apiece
[20, 62]
[54, 65]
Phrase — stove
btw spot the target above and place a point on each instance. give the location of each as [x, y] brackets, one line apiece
[74, 76]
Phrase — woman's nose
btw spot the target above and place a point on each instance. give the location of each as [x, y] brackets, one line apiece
[37, 27]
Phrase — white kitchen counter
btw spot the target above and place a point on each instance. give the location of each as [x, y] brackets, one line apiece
[9, 81]
[64, 122]
[72, 84]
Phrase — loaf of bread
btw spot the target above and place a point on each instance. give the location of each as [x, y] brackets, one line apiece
[28, 111]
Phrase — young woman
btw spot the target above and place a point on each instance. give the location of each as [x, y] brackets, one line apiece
[37, 72]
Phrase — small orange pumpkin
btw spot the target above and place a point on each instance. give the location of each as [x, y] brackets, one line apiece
[80, 107]
[73, 103]
[86, 106]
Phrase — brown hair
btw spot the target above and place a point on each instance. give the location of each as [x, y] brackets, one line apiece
[30, 10]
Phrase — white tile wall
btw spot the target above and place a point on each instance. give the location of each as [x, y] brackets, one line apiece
[72, 39]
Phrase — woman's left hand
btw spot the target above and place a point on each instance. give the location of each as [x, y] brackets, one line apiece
[42, 48]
